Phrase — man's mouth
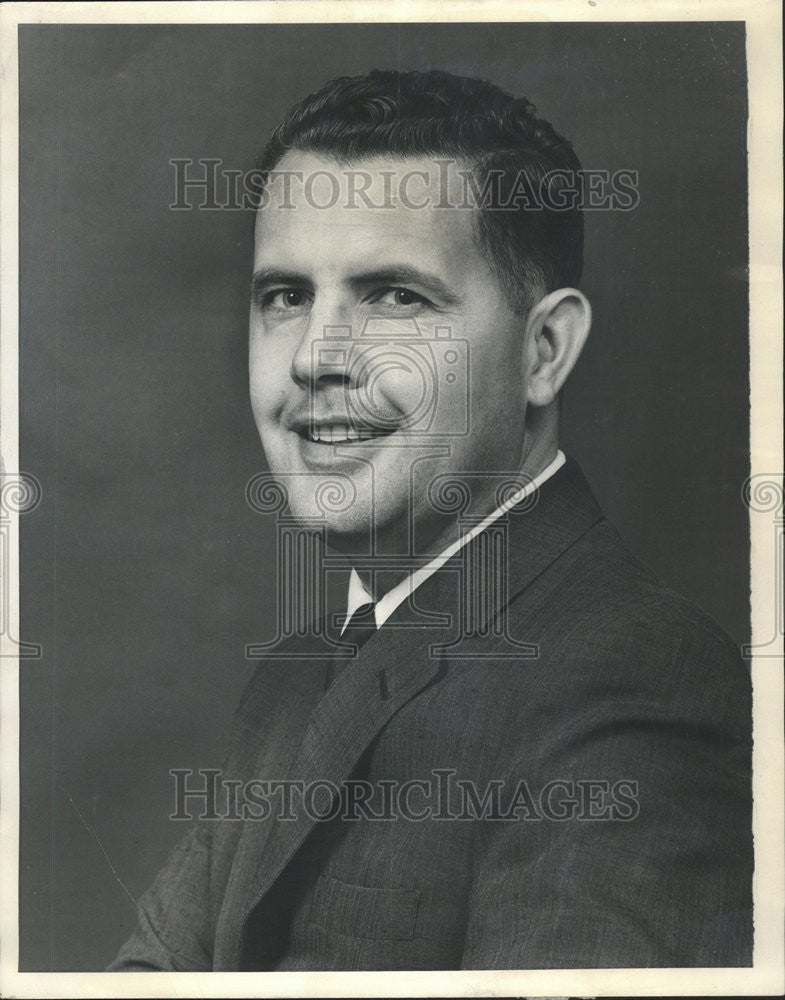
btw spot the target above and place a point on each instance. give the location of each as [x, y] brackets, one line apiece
[341, 432]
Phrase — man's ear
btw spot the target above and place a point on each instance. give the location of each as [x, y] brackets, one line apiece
[556, 330]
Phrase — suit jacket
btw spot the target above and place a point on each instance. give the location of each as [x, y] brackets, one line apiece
[594, 730]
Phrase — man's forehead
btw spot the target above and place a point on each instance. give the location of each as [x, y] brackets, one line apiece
[387, 181]
[417, 201]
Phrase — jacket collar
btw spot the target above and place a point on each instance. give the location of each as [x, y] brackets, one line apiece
[548, 523]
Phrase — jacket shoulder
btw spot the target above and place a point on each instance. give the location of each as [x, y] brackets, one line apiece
[605, 621]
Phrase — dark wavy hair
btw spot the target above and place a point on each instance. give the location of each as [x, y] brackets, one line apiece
[532, 250]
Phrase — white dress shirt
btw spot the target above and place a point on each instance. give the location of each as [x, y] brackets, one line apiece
[359, 595]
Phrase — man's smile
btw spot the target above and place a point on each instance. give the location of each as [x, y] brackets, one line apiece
[340, 429]
[341, 434]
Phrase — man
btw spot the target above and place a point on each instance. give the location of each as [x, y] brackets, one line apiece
[527, 752]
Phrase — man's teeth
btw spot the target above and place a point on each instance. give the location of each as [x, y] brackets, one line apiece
[338, 433]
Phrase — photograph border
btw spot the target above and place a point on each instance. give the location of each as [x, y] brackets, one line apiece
[764, 60]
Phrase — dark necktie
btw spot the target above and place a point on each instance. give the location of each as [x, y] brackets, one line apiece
[359, 629]
[361, 626]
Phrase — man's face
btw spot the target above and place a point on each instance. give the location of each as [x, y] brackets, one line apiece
[383, 352]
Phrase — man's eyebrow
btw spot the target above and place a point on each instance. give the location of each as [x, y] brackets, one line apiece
[267, 276]
[405, 274]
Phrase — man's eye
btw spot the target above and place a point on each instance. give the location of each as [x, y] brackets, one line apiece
[286, 298]
[401, 297]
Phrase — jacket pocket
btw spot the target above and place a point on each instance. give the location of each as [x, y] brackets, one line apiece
[362, 912]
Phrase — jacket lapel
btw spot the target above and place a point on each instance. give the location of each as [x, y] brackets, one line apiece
[497, 566]
[389, 670]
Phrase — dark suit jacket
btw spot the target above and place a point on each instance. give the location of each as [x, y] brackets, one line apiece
[628, 702]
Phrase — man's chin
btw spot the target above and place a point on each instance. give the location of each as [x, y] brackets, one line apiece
[354, 531]
[337, 512]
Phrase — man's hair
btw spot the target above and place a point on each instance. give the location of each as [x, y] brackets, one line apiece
[534, 245]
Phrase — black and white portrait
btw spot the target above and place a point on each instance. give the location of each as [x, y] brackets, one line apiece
[388, 461]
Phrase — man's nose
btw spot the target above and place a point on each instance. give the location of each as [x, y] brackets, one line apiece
[324, 353]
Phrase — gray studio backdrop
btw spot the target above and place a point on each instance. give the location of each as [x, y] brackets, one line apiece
[145, 573]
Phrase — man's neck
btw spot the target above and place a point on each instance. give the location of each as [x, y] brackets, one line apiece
[381, 579]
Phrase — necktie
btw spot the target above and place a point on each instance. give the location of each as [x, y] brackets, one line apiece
[359, 629]
[361, 626]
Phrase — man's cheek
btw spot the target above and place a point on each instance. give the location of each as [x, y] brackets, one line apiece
[407, 390]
